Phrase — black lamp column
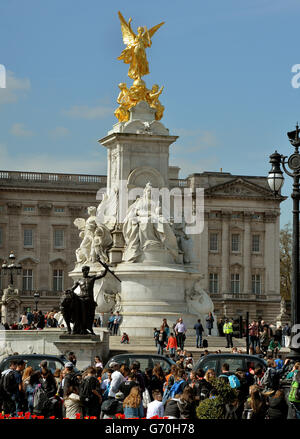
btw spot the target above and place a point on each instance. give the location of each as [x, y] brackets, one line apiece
[11, 268]
[275, 180]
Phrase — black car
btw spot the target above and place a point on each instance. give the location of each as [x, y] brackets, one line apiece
[145, 360]
[235, 361]
[34, 360]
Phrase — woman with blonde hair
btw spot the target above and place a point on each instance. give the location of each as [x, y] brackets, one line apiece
[133, 404]
[26, 377]
[255, 407]
[210, 374]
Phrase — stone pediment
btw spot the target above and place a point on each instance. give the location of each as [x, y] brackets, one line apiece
[239, 188]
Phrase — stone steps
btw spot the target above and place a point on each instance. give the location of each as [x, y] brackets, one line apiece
[147, 342]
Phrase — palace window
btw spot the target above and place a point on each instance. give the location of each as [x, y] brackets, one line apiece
[59, 209]
[28, 209]
[255, 243]
[27, 280]
[58, 280]
[213, 242]
[235, 242]
[58, 238]
[235, 283]
[256, 284]
[28, 238]
[213, 283]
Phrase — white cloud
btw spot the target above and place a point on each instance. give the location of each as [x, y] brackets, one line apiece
[15, 87]
[86, 112]
[32, 162]
[19, 130]
[59, 132]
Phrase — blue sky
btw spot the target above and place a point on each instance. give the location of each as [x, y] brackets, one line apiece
[225, 67]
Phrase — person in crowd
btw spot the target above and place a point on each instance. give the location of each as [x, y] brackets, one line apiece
[26, 377]
[111, 322]
[258, 374]
[180, 362]
[286, 335]
[199, 331]
[172, 407]
[128, 384]
[156, 336]
[186, 404]
[47, 380]
[69, 378]
[125, 370]
[24, 320]
[256, 406]
[155, 407]
[30, 318]
[295, 369]
[90, 393]
[133, 405]
[278, 408]
[161, 343]
[228, 331]
[264, 339]
[116, 379]
[57, 377]
[279, 361]
[34, 382]
[271, 378]
[98, 362]
[165, 327]
[40, 321]
[112, 406]
[253, 334]
[116, 323]
[135, 369]
[51, 321]
[72, 358]
[180, 330]
[125, 338]
[158, 379]
[72, 403]
[209, 323]
[172, 344]
[105, 384]
[274, 347]
[220, 327]
[170, 378]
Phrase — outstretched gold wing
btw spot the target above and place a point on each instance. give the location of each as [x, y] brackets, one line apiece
[127, 32]
[155, 28]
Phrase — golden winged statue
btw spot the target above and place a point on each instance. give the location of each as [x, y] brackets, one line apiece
[135, 52]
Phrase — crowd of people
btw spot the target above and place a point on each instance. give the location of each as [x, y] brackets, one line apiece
[127, 392]
[35, 320]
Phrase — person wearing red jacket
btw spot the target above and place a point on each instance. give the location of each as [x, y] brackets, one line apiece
[172, 344]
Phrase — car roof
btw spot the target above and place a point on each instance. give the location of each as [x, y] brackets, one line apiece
[224, 354]
[21, 356]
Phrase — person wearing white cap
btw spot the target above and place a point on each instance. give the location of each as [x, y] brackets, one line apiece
[116, 379]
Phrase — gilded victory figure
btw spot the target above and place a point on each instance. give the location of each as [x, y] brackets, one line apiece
[135, 55]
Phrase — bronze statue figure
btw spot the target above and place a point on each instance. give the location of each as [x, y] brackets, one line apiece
[79, 309]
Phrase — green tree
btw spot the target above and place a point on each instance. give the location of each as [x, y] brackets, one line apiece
[215, 408]
[285, 261]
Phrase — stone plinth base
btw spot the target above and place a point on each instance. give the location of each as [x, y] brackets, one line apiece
[86, 347]
[152, 292]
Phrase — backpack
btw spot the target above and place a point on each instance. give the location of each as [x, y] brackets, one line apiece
[294, 395]
[234, 382]
[41, 402]
[109, 406]
[266, 379]
[10, 385]
[204, 343]
[85, 391]
[171, 391]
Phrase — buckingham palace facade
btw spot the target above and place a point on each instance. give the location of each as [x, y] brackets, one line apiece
[238, 250]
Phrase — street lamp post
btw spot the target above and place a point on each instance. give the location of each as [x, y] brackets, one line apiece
[36, 299]
[275, 180]
[11, 268]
